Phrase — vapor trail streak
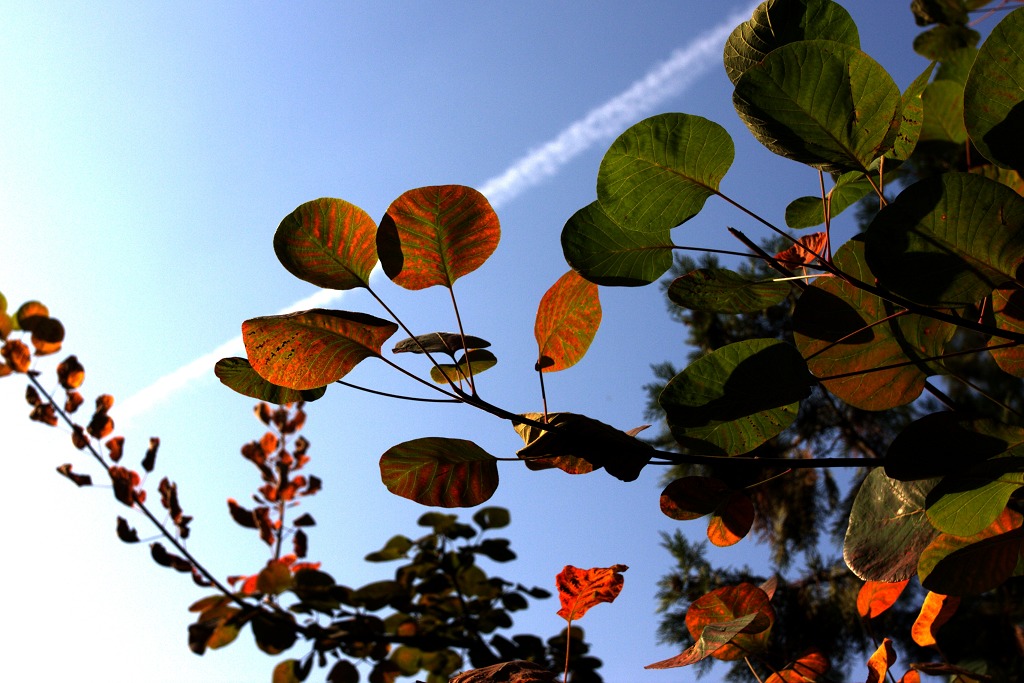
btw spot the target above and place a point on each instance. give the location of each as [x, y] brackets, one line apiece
[665, 81]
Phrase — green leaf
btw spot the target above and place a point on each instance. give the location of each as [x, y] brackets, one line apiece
[943, 112]
[822, 103]
[606, 253]
[477, 360]
[659, 173]
[912, 118]
[735, 398]
[720, 290]
[938, 43]
[567, 321]
[779, 22]
[435, 235]
[957, 565]
[713, 637]
[693, 497]
[440, 472]
[994, 94]
[577, 444]
[842, 330]
[311, 349]
[396, 548]
[888, 528]
[286, 672]
[407, 659]
[728, 603]
[948, 240]
[967, 503]
[492, 518]
[329, 243]
[237, 374]
[379, 594]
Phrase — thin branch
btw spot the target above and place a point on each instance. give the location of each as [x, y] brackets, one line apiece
[398, 396]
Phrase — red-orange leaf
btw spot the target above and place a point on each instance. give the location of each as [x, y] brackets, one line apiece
[877, 596]
[880, 661]
[567, 320]
[728, 603]
[731, 520]
[810, 667]
[314, 348]
[806, 250]
[581, 589]
[439, 471]
[435, 235]
[328, 242]
[693, 497]
[713, 638]
[935, 611]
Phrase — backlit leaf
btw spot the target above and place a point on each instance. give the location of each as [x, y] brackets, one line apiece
[581, 589]
[606, 253]
[720, 290]
[948, 240]
[329, 243]
[939, 42]
[659, 173]
[714, 637]
[822, 103]
[994, 94]
[728, 603]
[78, 479]
[567, 321]
[943, 103]
[779, 22]
[30, 314]
[435, 235]
[731, 521]
[954, 445]
[880, 661]
[888, 528]
[517, 671]
[311, 349]
[848, 333]
[735, 398]
[935, 611]
[807, 212]
[912, 117]
[956, 565]
[440, 472]
[805, 251]
[492, 518]
[876, 597]
[965, 504]
[578, 444]
[810, 667]
[237, 374]
[1008, 311]
[479, 360]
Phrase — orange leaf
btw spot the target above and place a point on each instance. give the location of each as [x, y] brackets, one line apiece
[581, 589]
[877, 596]
[911, 677]
[567, 321]
[880, 662]
[936, 611]
[804, 252]
[811, 666]
[726, 604]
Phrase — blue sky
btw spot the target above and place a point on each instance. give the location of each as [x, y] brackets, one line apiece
[150, 151]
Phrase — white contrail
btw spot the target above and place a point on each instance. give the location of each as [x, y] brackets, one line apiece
[665, 81]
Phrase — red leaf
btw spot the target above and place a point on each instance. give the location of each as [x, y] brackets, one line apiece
[581, 589]
[877, 596]
[78, 479]
[935, 611]
[807, 249]
[810, 667]
[567, 321]
[125, 481]
[732, 520]
[727, 604]
[435, 235]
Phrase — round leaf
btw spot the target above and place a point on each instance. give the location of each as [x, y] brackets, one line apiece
[822, 103]
[435, 235]
[843, 330]
[732, 520]
[659, 173]
[604, 252]
[492, 518]
[314, 348]
[328, 242]
[440, 472]
[731, 602]
[735, 398]
[958, 565]
[479, 360]
[779, 22]
[948, 240]
[237, 374]
[994, 94]
[567, 321]
[888, 528]
[693, 497]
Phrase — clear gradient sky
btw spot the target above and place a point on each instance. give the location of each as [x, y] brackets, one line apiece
[149, 151]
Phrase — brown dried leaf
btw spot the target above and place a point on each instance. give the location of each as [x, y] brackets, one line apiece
[17, 355]
[116, 448]
[73, 402]
[70, 373]
[149, 461]
[79, 438]
[78, 479]
[100, 425]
